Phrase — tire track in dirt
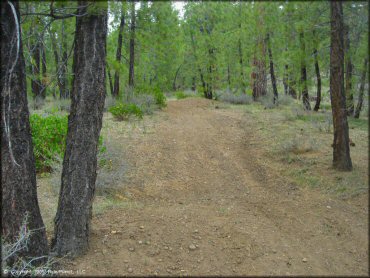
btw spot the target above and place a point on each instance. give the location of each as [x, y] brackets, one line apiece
[209, 205]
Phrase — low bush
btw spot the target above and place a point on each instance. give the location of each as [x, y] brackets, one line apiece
[236, 99]
[181, 95]
[160, 98]
[145, 102]
[122, 111]
[49, 135]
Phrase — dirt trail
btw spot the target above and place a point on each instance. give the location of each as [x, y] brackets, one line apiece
[207, 204]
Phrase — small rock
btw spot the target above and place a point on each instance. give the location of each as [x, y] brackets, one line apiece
[192, 247]
[140, 242]
[304, 260]
[165, 248]
[125, 261]
[198, 261]
[141, 227]
[274, 251]
[170, 248]
[132, 249]
[130, 270]
[113, 232]
[160, 260]
[196, 231]
[329, 207]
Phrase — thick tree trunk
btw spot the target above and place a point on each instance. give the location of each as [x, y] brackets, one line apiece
[318, 78]
[348, 75]
[119, 53]
[362, 89]
[72, 221]
[341, 153]
[18, 173]
[132, 47]
[305, 97]
[272, 72]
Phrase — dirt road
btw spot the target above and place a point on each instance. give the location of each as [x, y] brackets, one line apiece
[204, 203]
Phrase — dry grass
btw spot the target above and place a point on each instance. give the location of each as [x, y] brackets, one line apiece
[298, 145]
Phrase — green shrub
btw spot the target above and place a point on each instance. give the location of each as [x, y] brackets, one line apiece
[160, 98]
[49, 135]
[181, 95]
[122, 111]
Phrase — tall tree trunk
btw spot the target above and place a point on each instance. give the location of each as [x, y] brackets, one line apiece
[111, 87]
[286, 79]
[57, 64]
[35, 67]
[272, 72]
[362, 89]
[174, 87]
[132, 46]
[119, 53]
[64, 64]
[72, 221]
[259, 80]
[204, 85]
[228, 76]
[341, 152]
[193, 84]
[44, 71]
[318, 78]
[348, 75]
[18, 173]
[305, 97]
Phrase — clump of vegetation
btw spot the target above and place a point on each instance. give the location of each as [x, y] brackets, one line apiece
[160, 98]
[123, 111]
[49, 135]
[298, 145]
[145, 102]
[236, 99]
[181, 95]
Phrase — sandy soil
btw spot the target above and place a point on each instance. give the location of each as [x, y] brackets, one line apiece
[204, 203]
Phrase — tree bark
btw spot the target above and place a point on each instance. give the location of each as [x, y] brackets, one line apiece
[18, 173]
[119, 53]
[362, 89]
[174, 87]
[44, 71]
[348, 75]
[64, 64]
[35, 70]
[132, 47]
[204, 85]
[111, 87]
[272, 72]
[318, 78]
[305, 97]
[57, 64]
[72, 221]
[259, 80]
[341, 152]
[286, 80]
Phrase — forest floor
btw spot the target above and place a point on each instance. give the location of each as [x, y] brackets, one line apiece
[208, 191]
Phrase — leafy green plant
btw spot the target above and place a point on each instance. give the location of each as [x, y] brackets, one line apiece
[49, 135]
[181, 95]
[122, 111]
[160, 98]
